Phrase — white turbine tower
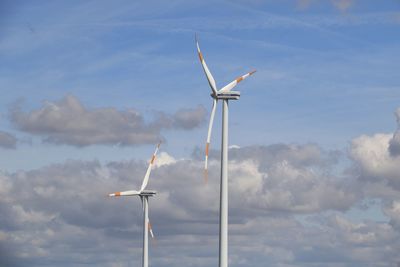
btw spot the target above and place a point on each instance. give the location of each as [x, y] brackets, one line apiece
[144, 197]
[225, 94]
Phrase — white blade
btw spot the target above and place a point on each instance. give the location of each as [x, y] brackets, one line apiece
[146, 177]
[124, 193]
[210, 78]
[232, 84]
[150, 228]
[210, 125]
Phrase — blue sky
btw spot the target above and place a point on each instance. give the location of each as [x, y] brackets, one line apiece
[75, 73]
[325, 75]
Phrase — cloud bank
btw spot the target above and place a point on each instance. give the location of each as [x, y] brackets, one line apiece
[60, 213]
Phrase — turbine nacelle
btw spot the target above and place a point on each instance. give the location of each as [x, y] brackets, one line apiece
[129, 193]
[148, 193]
[142, 191]
[230, 95]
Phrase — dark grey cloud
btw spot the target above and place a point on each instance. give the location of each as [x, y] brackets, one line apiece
[189, 118]
[51, 213]
[7, 140]
[68, 121]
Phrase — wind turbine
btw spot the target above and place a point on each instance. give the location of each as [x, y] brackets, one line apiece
[144, 197]
[225, 94]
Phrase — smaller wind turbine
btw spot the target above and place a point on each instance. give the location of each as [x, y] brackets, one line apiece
[144, 197]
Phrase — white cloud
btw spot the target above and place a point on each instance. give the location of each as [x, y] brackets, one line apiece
[164, 159]
[373, 158]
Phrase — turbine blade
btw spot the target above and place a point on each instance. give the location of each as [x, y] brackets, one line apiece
[146, 177]
[210, 125]
[232, 84]
[124, 193]
[210, 78]
[150, 229]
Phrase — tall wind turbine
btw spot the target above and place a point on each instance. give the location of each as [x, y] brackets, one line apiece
[225, 94]
[144, 197]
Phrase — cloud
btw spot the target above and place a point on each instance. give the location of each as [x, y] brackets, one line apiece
[68, 121]
[61, 209]
[287, 178]
[189, 118]
[7, 140]
[393, 211]
[290, 178]
[373, 159]
[377, 166]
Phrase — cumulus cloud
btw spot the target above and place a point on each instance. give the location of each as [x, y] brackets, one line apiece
[68, 121]
[377, 166]
[7, 140]
[62, 209]
[374, 161]
[291, 178]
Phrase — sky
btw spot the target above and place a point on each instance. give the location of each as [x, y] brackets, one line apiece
[88, 88]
